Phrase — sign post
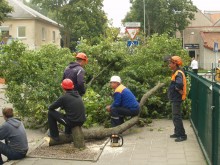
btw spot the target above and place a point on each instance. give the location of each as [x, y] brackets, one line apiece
[215, 49]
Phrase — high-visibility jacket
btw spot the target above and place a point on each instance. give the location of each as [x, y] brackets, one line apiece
[173, 79]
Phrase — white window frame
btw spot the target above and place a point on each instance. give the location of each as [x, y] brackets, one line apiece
[18, 32]
[53, 36]
[43, 34]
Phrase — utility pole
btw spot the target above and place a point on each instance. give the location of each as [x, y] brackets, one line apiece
[144, 21]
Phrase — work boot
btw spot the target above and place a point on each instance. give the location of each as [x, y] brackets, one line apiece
[181, 138]
[53, 137]
[174, 136]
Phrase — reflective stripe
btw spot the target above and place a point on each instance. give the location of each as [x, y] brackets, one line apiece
[63, 120]
[79, 72]
[120, 88]
[115, 117]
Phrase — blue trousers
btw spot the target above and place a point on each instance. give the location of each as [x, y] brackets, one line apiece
[177, 119]
[10, 153]
[118, 113]
[54, 117]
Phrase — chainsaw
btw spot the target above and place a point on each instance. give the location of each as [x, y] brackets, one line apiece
[116, 140]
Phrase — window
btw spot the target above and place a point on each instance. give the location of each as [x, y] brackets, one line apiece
[21, 31]
[54, 36]
[43, 34]
[192, 53]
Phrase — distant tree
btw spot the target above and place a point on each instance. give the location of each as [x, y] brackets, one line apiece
[4, 10]
[37, 7]
[79, 18]
[161, 16]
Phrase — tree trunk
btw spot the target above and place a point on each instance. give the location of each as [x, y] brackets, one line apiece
[107, 132]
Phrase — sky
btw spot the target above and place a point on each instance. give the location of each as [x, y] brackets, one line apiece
[117, 9]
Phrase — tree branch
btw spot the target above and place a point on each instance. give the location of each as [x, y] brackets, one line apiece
[94, 77]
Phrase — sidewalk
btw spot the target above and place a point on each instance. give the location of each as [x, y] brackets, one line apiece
[149, 145]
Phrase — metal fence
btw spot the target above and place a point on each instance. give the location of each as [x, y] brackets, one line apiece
[205, 116]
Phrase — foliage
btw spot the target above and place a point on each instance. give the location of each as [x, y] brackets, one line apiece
[34, 77]
[95, 108]
[161, 16]
[4, 10]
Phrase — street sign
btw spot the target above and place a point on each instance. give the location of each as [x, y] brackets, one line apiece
[132, 32]
[215, 49]
[131, 43]
[191, 46]
[132, 24]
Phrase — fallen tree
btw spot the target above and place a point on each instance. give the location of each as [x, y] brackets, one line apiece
[106, 132]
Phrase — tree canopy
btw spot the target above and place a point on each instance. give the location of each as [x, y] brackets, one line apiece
[161, 16]
[4, 10]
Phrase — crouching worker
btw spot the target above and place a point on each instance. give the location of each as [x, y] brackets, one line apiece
[74, 109]
[125, 103]
[13, 132]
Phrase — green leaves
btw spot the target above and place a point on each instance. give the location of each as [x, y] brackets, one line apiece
[4, 10]
[33, 77]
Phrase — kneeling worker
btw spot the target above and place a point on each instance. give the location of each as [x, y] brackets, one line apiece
[125, 103]
[74, 109]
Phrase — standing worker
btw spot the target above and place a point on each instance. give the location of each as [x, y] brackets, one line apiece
[76, 73]
[194, 65]
[176, 94]
[125, 103]
[71, 102]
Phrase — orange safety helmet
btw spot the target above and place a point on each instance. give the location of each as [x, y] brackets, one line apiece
[177, 60]
[67, 84]
[82, 56]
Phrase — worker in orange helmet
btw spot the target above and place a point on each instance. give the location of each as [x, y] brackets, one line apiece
[176, 94]
[71, 102]
[76, 73]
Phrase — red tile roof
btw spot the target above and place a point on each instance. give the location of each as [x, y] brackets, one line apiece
[213, 16]
[209, 38]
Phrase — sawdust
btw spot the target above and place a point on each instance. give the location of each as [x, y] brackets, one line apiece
[92, 151]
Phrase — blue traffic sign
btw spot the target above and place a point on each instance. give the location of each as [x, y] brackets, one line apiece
[215, 49]
[131, 43]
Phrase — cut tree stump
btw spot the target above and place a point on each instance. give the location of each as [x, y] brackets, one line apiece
[78, 137]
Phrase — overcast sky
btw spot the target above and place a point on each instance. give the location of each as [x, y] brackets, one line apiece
[117, 9]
